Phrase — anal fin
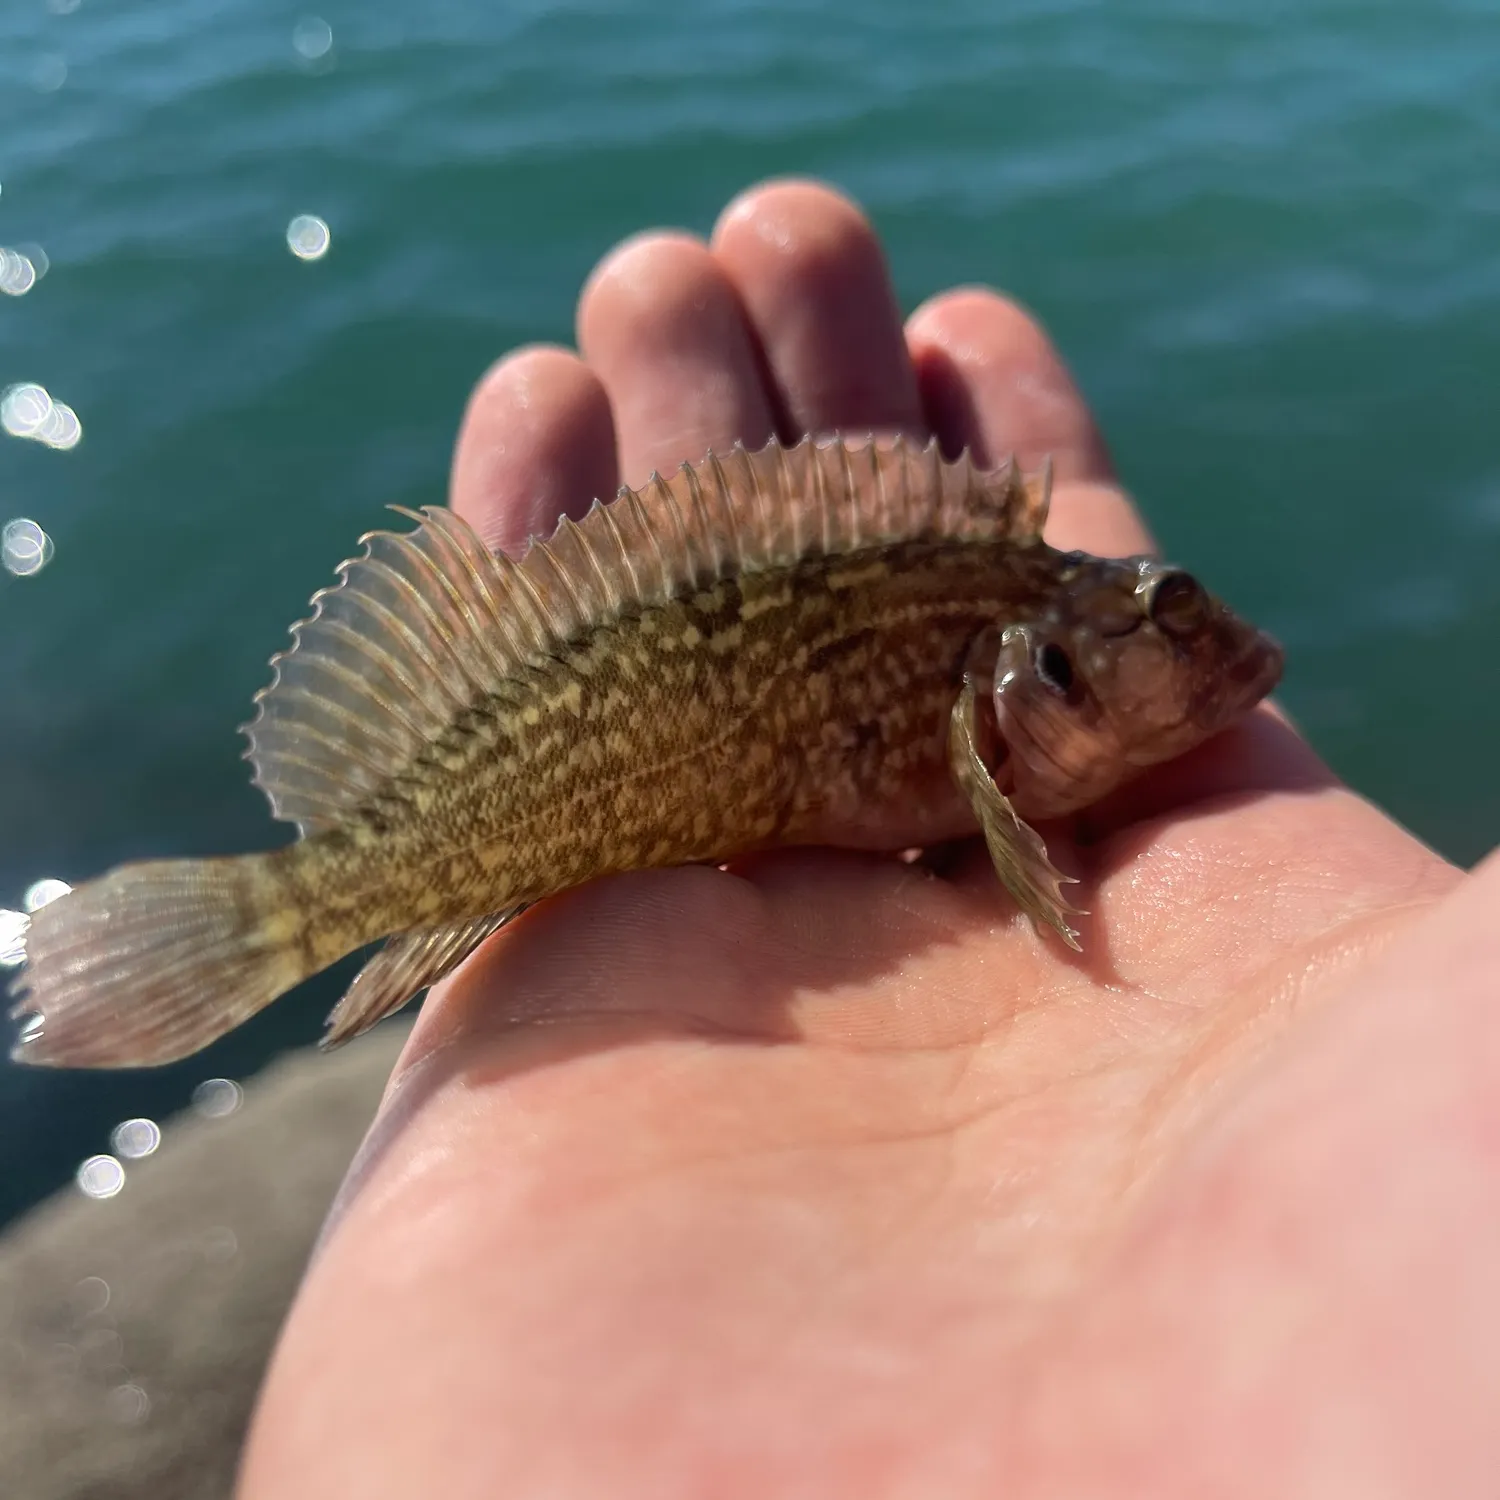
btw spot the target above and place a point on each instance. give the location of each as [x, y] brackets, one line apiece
[1017, 849]
[407, 964]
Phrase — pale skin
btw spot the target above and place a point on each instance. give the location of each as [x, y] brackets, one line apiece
[829, 1176]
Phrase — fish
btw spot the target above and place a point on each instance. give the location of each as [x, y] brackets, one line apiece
[863, 645]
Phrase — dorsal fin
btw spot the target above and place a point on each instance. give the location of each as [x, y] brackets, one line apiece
[425, 624]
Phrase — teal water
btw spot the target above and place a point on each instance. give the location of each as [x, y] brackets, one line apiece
[1266, 243]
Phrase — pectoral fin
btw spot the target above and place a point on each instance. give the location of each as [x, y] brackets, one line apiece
[1017, 849]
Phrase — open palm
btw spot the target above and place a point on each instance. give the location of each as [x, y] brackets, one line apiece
[828, 1175]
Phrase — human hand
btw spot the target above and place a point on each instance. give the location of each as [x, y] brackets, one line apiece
[830, 1177]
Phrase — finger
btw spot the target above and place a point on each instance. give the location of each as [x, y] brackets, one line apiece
[813, 279]
[537, 441]
[662, 326]
[992, 381]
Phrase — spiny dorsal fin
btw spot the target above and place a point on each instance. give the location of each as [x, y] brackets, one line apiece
[425, 624]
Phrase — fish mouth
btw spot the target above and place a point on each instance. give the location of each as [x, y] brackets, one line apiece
[1256, 670]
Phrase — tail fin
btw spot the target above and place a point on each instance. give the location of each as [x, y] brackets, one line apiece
[154, 961]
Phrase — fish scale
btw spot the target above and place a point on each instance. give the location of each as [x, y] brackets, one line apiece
[867, 646]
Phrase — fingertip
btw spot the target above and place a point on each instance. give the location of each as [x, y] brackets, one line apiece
[662, 324]
[992, 378]
[536, 442]
[629, 279]
[1099, 518]
[812, 275]
[778, 209]
[992, 381]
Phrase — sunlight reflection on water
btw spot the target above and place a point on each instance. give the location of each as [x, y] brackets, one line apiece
[312, 37]
[308, 237]
[49, 73]
[24, 548]
[27, 410]
[18, 272]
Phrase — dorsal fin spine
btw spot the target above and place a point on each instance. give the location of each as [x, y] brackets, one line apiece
[523, 592]
[365, 647]
[325, 772]
[609, 593]
[354, 682]
[882, 492]
[637, 513]
[393, 621]
[420, 605]
[702, 523]
[850, 497]
[1044, 491]
[726, 515]
[562, 579]
[934, 481]
[608, 522]
[297, 692]
[781, 501]
[820, 499]
[902, 490]
[680, 534]
[481, 573]
[492, 620]
[971, 490]
[446, 586]
[761, 510]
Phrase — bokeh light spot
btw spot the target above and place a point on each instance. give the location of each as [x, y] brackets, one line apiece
[127, 1404]
[41, 263]
[90, 1297]
[24, 548]
[50, 73]
[28, 411]
[18, 273]
[43, 892]
[220, 1244]
[136, 1138]
[100, 1177]
[312, 37]
[308, 237]
[217, 1097]
[23, 408]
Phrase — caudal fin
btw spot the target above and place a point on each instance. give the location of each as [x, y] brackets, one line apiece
[152, 962]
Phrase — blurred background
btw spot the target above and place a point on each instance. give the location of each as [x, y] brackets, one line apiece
[254, 258]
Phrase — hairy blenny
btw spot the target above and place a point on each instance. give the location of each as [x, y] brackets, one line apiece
[868, 647]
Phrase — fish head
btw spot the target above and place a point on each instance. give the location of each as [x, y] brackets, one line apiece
[1133, 663]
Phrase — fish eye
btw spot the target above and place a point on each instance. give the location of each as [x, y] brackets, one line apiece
[1053, 669]
[1178, 604]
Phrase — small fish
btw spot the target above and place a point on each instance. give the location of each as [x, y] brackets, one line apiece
[866, 647]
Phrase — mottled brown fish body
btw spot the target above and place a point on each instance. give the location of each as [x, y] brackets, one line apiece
[807, 704]
[863, 647]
